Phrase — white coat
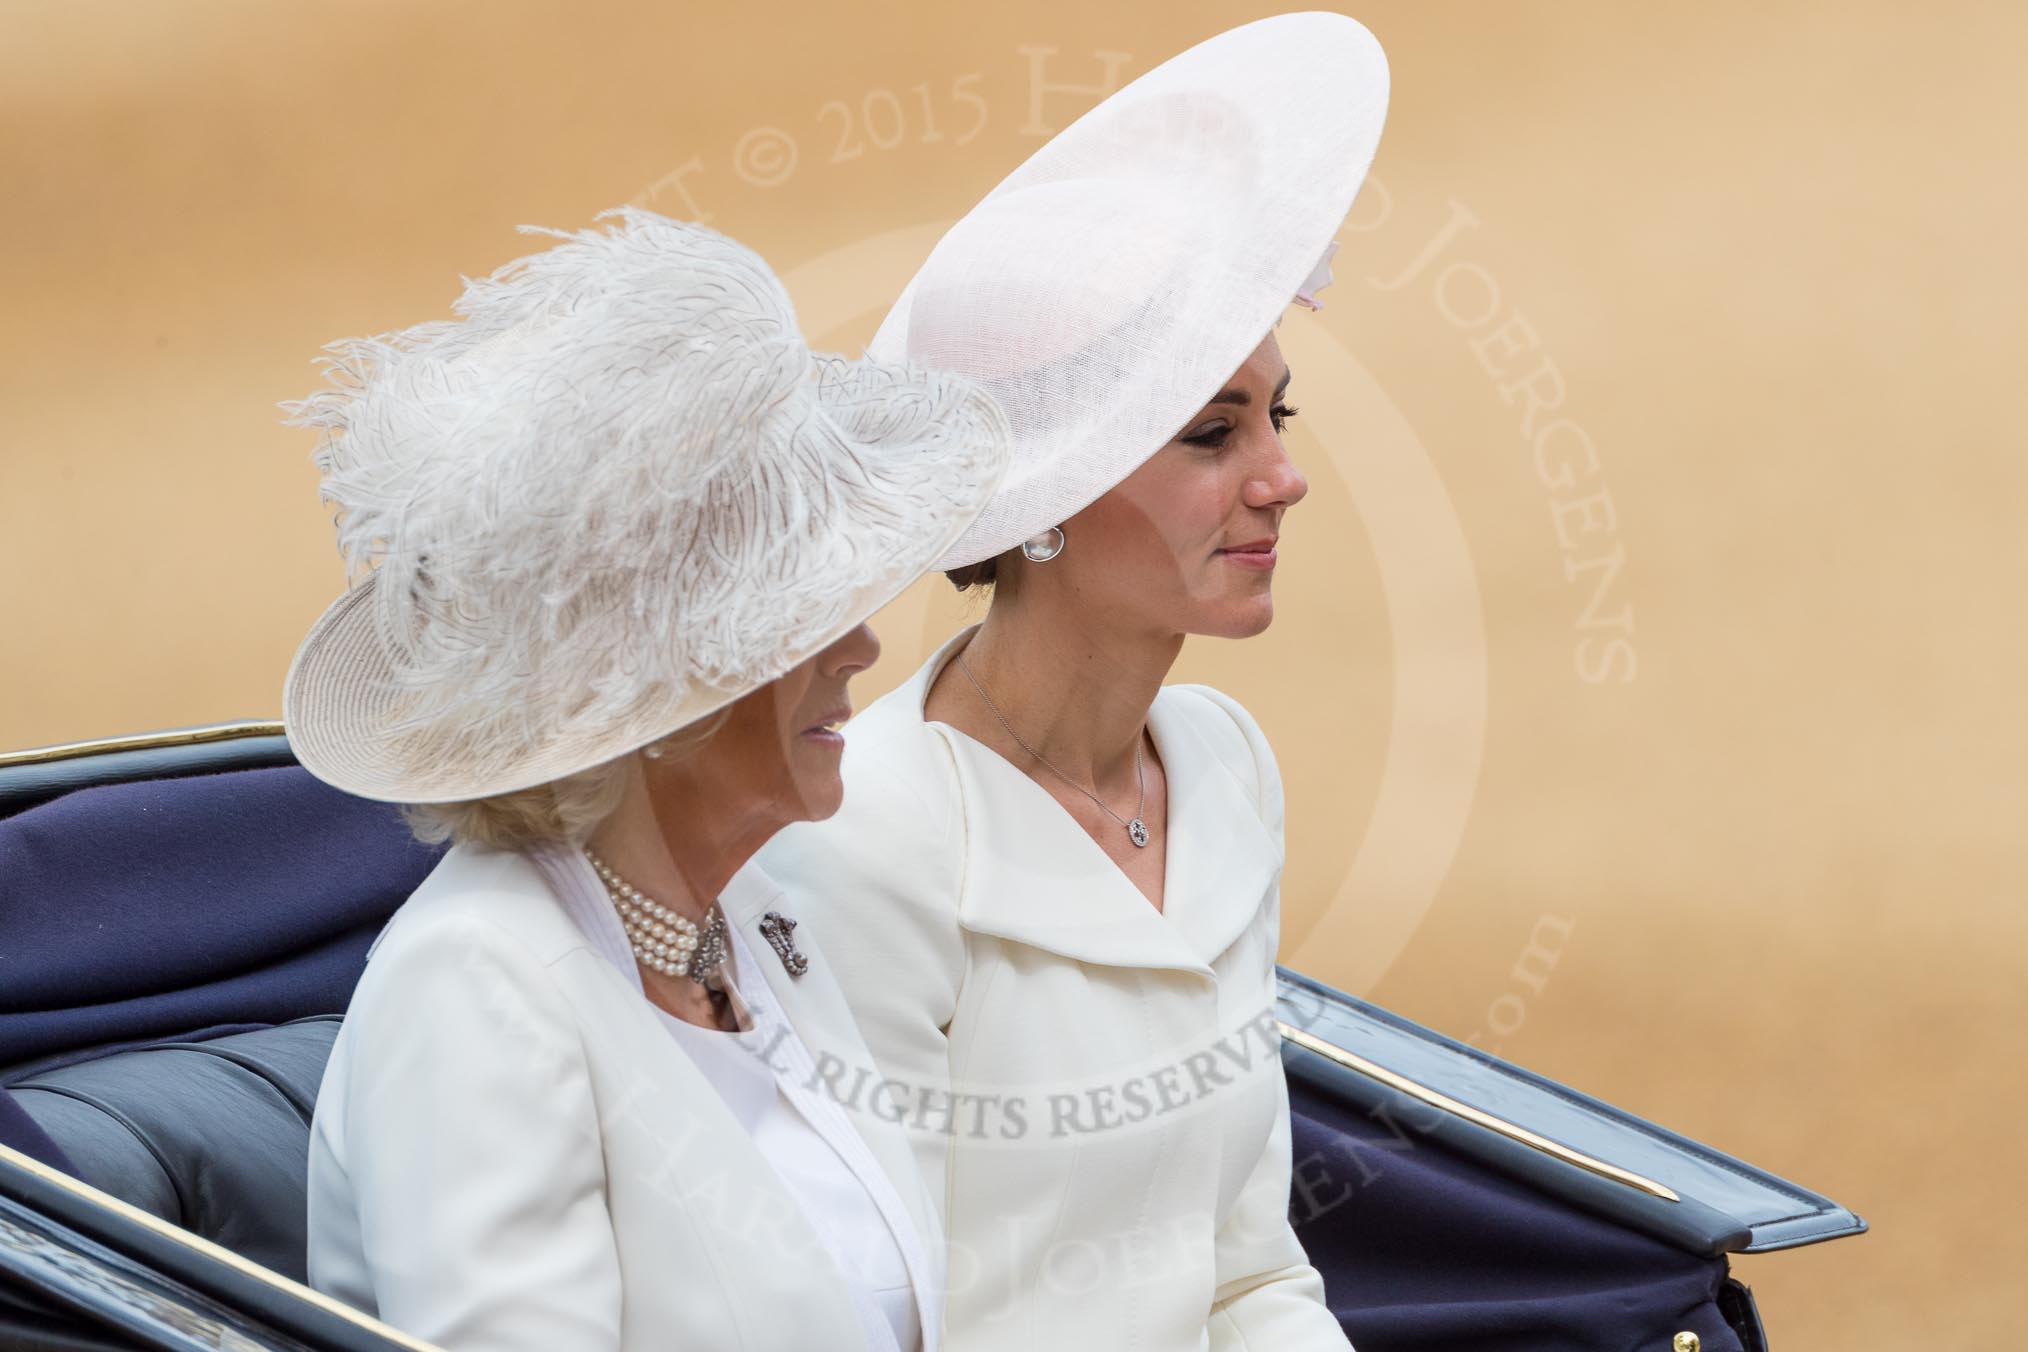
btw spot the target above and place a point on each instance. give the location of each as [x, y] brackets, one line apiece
[1093, 1085]
[511, 1153]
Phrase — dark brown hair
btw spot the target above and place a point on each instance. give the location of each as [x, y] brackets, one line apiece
[982, 574]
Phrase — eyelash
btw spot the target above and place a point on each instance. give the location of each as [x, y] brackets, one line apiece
[1279, 414]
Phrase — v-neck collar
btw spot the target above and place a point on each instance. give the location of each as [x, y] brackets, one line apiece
[1034, 875]
[1157, 733]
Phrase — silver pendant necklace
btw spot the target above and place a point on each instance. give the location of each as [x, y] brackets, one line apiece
[1137, 829]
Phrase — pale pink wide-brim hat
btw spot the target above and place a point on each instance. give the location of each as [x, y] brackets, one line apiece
[1107, 288]
[614, 496]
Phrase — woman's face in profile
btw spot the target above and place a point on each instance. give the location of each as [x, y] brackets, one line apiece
[778, 749]
[1186, 543]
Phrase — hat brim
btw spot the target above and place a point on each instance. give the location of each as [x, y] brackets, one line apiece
[350, 720]
[1308, 94]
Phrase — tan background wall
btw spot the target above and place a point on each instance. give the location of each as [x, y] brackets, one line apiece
[1767, 256]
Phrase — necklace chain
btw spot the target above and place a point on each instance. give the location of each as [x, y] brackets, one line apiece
[1137, 829]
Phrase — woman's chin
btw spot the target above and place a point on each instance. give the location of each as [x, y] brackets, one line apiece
[1239, 618]
[819, 794]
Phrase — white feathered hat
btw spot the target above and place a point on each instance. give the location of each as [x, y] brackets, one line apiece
[614, 496]
[1109, 286]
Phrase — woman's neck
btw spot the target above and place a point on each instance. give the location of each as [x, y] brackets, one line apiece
[1073, 688]
[677, 846]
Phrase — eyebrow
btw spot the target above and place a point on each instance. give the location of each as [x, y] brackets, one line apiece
[1242, 398]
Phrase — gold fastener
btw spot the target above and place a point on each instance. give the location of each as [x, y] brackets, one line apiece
[1686, 1342]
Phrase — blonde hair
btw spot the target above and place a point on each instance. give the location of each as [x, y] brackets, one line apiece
[563, 811]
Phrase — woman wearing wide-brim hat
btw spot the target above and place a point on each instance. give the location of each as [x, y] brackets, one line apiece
[1052, 893]
[617, 531]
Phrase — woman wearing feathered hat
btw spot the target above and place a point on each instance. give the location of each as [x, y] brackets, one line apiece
[617, 531]
[1052, 892]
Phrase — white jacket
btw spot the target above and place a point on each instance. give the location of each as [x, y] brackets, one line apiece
[510, 1152]
[1093, 1086]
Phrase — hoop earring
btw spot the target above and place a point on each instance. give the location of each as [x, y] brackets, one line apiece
[1044, 547]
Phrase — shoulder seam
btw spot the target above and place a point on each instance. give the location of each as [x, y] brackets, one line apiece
[1224, 705]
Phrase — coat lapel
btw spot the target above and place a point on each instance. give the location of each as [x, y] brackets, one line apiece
[663, 1106]
[813, 1006]
[826, 1029]
[1033, 876]
[1223, 862]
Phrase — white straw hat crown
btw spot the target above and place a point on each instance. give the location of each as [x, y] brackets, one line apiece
[1105, 290]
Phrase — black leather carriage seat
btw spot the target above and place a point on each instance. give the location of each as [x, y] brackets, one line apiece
[212, 1135]
[174, 1060]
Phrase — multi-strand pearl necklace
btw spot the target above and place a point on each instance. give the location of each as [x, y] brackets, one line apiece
[662, 940]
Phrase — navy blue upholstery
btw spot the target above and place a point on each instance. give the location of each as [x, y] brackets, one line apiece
[24, 786]
[148, 910]
[1424, 1249]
